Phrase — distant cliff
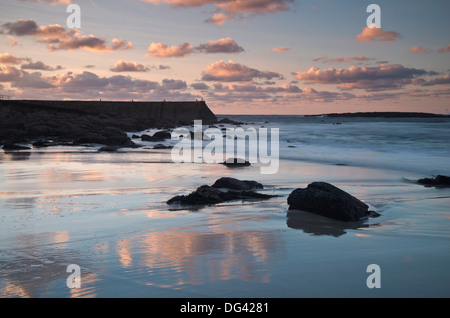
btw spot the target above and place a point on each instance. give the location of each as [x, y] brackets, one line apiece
[24, 120]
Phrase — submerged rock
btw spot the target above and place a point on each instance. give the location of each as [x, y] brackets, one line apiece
[327, 200]
[438, 181]
[221, 192]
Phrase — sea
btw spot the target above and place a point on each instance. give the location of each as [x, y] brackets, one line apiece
[100, 219]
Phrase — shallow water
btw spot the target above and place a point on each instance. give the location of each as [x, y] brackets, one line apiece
[107, 213]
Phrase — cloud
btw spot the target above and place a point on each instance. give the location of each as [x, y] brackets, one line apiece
[341, 59]
[199, 86]
[12, 41]
[21, 27]
[444, 49]
[52, 2]
[225, 45]
[438, 81]
[89, 43]
[226, 9]
[280, 49]
[171, 84]
[9, 73]
[419, 49]
[7, 58]
[217, 19]
[234, 72]
[39, 66]
[369, 78]
[123, 66]
[377, 35]
[160, 50]
[32, 80]
[58, 38]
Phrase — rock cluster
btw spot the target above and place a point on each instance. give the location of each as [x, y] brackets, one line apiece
[223, 190]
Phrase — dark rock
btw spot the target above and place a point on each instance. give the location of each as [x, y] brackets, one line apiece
[158, 136]
[146, 137]
[40, 144]
[109, 149]
[162, 135]
[327, 200]
[229, 121]
[236, 162]
[438, 181]
[9, 146]
[113, 131]
[135, 136]
[224, 189]
[116, 140]
[235, 184]
[90, 138]
[205, 195]
[161, 146]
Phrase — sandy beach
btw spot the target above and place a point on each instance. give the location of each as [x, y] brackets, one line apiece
[107, 213]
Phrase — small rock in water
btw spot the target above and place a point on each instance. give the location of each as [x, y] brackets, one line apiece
[236, 162]
[438, 181]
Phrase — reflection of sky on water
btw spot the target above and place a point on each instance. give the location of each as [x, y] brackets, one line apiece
[107, 213]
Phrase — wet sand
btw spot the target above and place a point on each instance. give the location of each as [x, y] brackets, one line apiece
[106, 212]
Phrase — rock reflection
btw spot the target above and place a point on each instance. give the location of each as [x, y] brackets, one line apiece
[16, 155]
[319, 225]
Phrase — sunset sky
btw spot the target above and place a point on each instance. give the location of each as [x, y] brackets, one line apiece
[241, 57]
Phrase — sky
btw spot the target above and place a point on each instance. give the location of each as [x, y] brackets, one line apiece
[241, 57]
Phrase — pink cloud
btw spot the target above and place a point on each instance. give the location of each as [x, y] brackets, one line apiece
[280, 49]
[444, 49]
[224, 45]
[58, 38]
[234, 72]
[160, 50]
[227, 9]
[12, 41]
[217, 19]
[419, 49]
[7, 58]
[377, 34]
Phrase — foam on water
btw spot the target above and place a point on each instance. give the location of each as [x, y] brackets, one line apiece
[419, 145]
